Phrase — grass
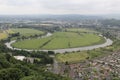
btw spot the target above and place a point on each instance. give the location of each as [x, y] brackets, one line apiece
[26, 32]
[3, 35]
[61, 40]
[79, 30]
[81, 56]
[72, 57]
[30, 44]
[96, 53]
[115, 46]
[10, 31]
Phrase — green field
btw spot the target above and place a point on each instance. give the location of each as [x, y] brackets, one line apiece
[10, 31]
[3, 35]
[27, 32]
[81, 56]
[61, 40]
[79, 30]
[72, 57]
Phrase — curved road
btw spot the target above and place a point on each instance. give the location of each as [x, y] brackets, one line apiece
[107, 43]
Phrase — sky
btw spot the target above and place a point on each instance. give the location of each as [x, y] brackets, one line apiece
[87, 7]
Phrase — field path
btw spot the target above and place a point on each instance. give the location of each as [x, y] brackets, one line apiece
[56, 68]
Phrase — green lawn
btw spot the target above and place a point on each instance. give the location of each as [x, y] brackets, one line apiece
[61, 40]
[72, 57]
[26, 32]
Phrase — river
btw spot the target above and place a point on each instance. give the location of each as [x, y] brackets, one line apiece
[107, 43]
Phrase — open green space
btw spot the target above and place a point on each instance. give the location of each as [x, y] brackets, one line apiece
[80, 30]
[27, 32]
[115, 46]
[75, 57]
[10, 31]
[61, 40]
[3, 35]
[72, 57]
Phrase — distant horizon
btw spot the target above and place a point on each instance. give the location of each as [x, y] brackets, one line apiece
[100, 16]
[35, 7]
[58, 14]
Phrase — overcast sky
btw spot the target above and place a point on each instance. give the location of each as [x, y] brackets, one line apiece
[60, 7]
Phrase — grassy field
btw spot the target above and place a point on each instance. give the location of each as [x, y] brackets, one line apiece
[72, 57]
[3, 36]
[96, 53]
[80, 56]
[61, 40]
[80, 30]
[30, 44]
[10, 31]
[27, 32]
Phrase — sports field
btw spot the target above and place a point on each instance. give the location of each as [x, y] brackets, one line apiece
[27, 32]
[61, 40]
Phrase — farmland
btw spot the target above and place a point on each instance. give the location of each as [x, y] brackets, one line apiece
[61, 40]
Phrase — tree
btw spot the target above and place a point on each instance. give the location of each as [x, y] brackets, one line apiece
[10, 74]
[51, 52]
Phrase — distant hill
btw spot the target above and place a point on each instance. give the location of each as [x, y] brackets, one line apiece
[111, 16]
[54, 17]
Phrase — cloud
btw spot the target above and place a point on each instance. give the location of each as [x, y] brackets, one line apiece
[59, 6]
